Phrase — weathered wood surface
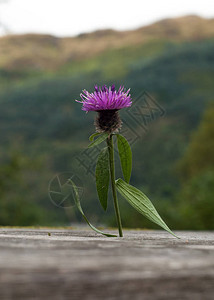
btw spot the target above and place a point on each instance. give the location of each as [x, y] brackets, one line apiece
[79, 264]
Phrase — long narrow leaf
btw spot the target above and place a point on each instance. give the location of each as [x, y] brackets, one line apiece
[77, 202]
[125, 154]
[141, 203]
[91, 137]
[99, 140]
[102, 177]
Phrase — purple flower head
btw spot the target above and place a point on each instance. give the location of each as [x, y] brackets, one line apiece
[104, 98]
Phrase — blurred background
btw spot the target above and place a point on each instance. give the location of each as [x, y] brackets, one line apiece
[50, 50]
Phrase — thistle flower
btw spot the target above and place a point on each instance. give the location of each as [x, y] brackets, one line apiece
[104, 98]
[107, 102]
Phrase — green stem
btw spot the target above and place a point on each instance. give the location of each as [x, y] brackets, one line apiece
[114, 192]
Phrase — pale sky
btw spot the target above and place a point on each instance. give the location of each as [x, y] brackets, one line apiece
[68, 18]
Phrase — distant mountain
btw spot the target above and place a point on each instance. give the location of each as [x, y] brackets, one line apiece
[45, 52]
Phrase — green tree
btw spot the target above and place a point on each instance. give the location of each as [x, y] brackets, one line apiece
[197, 206]
[197, 172]
[199, 155]
[15, 208]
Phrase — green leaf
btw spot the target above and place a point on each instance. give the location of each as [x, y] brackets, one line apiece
[102, 177]
[125, 154]
[99, 140]
[77, 202]
[141, 203]
[91, 137]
